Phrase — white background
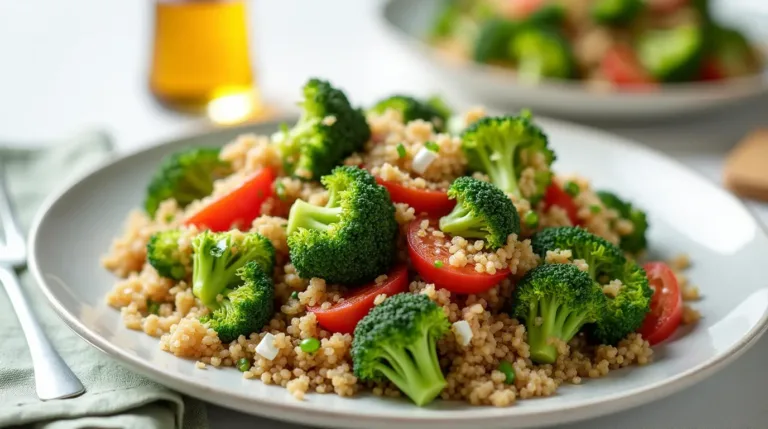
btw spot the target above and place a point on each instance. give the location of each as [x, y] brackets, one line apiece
[66, 65]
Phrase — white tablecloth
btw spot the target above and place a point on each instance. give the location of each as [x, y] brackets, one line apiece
[82, 63]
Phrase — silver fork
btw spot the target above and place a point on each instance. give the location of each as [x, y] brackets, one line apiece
[53, 378]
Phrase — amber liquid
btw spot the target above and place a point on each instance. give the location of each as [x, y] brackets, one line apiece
[201, 53]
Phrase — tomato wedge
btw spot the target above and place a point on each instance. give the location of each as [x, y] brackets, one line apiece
[621, 66]
[556, 196]
[343, 317]
[666, 304]
[239, 207]
[521, 8]
[433, 203]
[431, 262]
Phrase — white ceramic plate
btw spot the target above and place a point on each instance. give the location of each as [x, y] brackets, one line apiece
[687, 214]
[408, 21]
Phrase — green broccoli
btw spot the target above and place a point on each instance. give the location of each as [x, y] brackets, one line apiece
[492, 41]
[412, 109]
[328, 131]
[551, 14]
[502, 147]
[247, 307]
[672, 55]
[164, 255]
[446, 19]
[732, 52]
[616, 12]
[555, 301]
[482, 211]
[636, 241]
[185, 176]
[541, 52]
[397, 340]
[623, 313]
[351, 239]
[217, 257]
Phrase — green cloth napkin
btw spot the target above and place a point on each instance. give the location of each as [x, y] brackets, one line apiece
[115, 397]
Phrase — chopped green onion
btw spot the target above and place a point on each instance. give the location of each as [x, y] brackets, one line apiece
[243, 364]
[295, 295]
[432, 146]
[572, 189]
[153, 307]
[531, 219]
[310, 345]
[506, 368]
[401, 150]
[438, 264]
[595, 208]
[280, 191]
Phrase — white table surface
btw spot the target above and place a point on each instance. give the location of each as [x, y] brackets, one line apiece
[74, 64]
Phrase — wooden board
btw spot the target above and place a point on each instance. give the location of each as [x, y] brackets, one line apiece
[746, 169]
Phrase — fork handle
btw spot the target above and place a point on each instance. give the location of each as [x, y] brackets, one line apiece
[53, 378]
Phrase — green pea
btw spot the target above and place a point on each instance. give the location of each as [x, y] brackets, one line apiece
[506, 368]
[310, 345]
[243, 364]
[572, 189]
[531, 219]
[594, 208]
[294, 295]
[438, 264]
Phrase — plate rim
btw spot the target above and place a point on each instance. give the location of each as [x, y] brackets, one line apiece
[501, 76]
[277, 409]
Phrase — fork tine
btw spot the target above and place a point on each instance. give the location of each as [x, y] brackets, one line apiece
[11, 228]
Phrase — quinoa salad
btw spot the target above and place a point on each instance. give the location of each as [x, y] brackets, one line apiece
[608, 44]
[401, 250]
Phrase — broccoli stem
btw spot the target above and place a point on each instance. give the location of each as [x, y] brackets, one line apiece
[462, 222]
[557, 322]
[500, 165]
[207, 281]
[309, 216]
[415, 370]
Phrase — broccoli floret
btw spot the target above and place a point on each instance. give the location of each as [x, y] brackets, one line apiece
[555, 301]
[672, 55]
[328, 131]
[164, 255]
[217, 257]
[482, 211]
[551, 14]
[732, 52]
[541, 52]
[616, 12]
[492, 41]
[502, 147]
[185, 176]
[397, 340]
[352, 238]
[601, 256]
[623, 313]
[446, 19]
[412, 109]
[247, 307]
[636, 241]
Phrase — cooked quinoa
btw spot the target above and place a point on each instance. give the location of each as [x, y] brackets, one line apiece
[168, 309]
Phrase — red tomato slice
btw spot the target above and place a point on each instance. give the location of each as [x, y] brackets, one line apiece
[711, 71]
[666, 304]
[556, 196]
[522, 8]
[343, 317]
[621, 66]
[433, 203]
[239, 207]
[424, 254]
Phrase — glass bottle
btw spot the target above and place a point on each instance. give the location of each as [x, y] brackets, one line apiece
[201, 58]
